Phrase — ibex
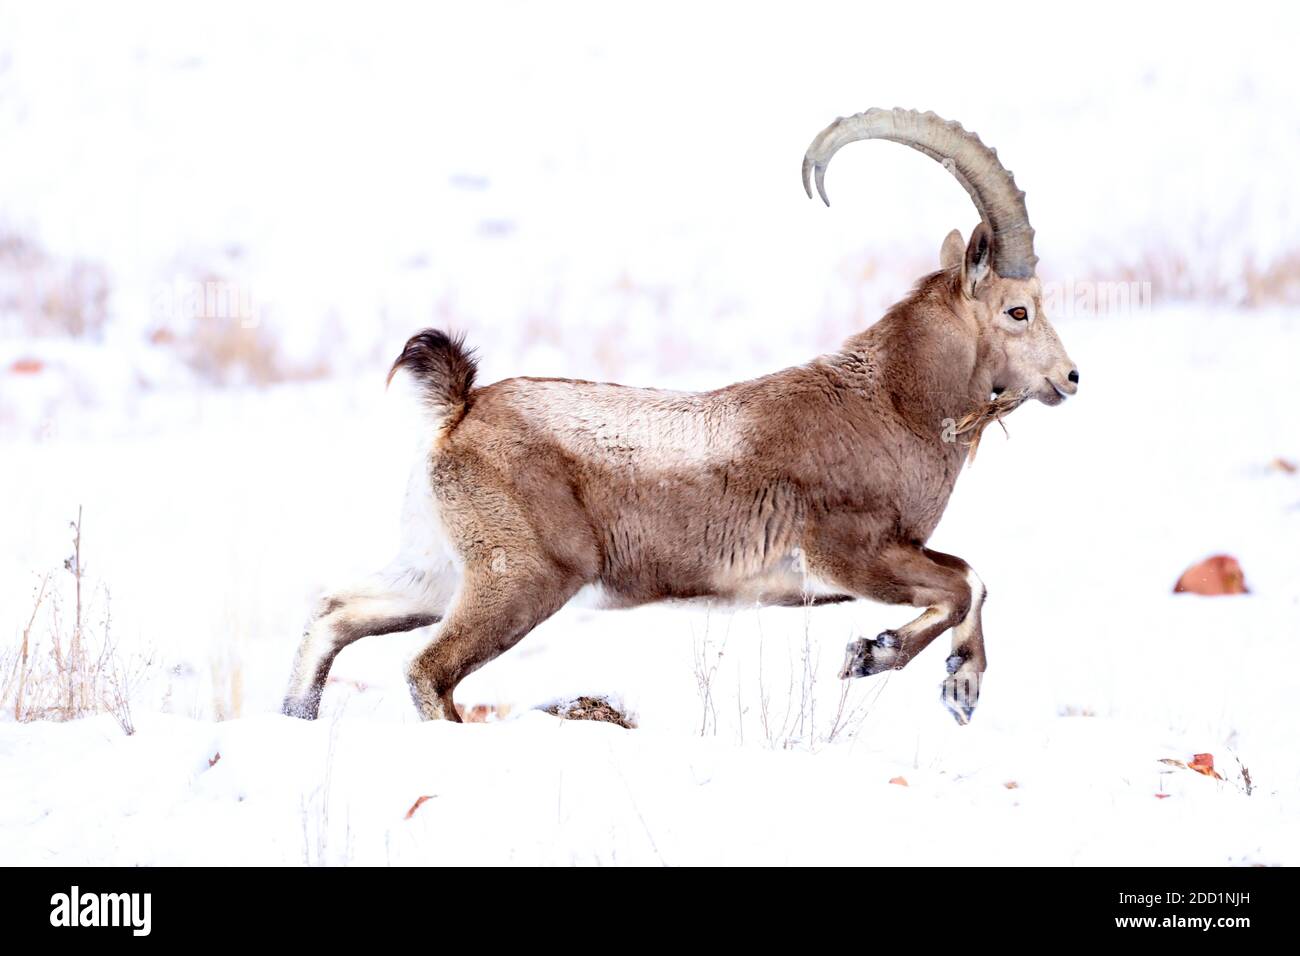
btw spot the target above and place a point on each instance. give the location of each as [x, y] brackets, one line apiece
[817, 483]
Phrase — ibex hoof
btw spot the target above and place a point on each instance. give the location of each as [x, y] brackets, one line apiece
[961, 692]
[305, 709]
[864, 657]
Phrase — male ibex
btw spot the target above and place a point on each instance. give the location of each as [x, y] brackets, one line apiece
[820, 482]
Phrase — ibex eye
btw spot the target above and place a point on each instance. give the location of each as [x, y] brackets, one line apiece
[1019, 313]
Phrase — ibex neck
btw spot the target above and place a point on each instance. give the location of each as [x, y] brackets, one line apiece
[931, 363]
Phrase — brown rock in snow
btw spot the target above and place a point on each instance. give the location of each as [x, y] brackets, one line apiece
[1220, 574]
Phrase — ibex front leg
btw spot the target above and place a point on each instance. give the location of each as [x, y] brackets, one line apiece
[966, 663]
[952, 596]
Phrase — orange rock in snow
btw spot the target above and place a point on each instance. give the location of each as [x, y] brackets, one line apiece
[1220, 574]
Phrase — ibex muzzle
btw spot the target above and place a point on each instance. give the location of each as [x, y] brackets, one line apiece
[817, 483]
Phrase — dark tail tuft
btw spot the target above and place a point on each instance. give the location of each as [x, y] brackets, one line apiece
[444, 369]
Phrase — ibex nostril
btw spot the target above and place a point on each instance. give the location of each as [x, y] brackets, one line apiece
[1074, 376]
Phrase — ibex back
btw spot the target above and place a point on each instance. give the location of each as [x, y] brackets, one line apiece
[820, 482]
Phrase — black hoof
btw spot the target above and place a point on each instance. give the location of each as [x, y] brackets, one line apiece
[960, 694]
[863, 657]
[302, 709]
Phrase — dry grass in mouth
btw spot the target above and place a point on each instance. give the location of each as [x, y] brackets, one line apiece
[994, 411]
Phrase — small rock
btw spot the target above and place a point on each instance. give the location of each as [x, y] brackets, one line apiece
[591, 708]
[1217, 575]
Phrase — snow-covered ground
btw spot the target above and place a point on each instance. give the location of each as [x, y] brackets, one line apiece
[617, 200]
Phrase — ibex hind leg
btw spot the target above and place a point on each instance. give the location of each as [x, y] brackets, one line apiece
[399, 598]
[498, 604]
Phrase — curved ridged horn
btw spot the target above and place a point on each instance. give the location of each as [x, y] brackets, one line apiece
[975, 166]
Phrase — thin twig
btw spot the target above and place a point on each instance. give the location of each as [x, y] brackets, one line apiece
[25, 649]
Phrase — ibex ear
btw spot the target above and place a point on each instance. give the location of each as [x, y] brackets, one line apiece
[979, 253]
[954, 248]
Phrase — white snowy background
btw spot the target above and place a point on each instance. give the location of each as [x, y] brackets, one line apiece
[609, 192]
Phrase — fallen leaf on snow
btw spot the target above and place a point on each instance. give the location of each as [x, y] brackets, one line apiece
[1285, 465]
[1220, 574]
[1162, 796]
[212, 761]
[1011, 785]
[901, 781]
[417, 804]
[1204, 763]
[482, 713]
[1071, 711]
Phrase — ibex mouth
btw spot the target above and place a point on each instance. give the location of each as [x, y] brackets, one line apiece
[1055, 395]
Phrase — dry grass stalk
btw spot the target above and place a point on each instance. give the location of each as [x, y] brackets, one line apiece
[44, 295]
[74, 669]
[18, 675]
[799, 727]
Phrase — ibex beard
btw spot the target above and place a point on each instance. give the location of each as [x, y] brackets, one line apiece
[817, 483]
